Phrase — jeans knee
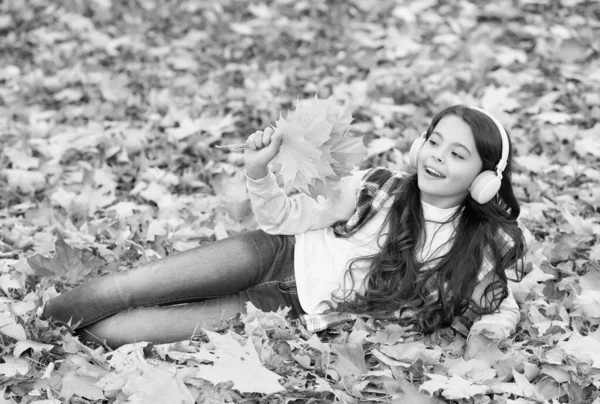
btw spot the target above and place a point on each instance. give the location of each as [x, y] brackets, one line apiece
[56, 311]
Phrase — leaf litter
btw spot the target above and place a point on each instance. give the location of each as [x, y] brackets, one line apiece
[109, 114]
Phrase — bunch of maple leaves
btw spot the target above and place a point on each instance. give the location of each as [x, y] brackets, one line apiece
[109, 111]
[317, 148]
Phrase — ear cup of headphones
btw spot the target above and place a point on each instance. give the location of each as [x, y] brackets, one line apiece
[485, 186]
[414, 151]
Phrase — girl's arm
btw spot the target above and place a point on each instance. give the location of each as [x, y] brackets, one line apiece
[275, 212]
[502, 323]
[489, 329]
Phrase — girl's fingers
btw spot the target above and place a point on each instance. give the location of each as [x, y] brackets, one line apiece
[251, 142]
[264, 139]
[258, 140]
[276, 137]
[268, 133]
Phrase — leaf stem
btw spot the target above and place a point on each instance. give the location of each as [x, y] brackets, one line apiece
[234, 146]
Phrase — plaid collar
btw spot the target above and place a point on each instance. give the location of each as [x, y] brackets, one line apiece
[379, 184]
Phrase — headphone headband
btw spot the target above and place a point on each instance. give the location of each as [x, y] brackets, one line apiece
[505, 146]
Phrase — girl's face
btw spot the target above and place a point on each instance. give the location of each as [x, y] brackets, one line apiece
[448, 163]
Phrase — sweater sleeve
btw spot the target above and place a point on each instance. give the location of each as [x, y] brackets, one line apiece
[500, 324]
[503, 322]
[277, 213]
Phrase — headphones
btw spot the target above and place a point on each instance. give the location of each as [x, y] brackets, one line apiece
[487, 184]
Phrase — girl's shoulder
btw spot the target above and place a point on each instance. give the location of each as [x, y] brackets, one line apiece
[382, 181]
[382, 174]
[504, 241]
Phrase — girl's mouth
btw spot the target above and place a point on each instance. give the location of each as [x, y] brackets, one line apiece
[434, 173]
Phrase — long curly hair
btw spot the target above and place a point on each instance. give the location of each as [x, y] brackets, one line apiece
[396, 280]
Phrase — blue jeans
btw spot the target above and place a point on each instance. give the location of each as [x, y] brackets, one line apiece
[171, 299]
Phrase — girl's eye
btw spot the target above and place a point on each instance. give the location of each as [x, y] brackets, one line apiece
[432, 142]
[455, 154]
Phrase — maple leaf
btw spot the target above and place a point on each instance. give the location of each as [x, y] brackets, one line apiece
[69, 264]
[565, 246]
[412, 351]
[80, 385]
[410, 394]
[391, 335]
[475, 370]
[348, 359]
[316, 147]
[453, 388]
[37, 347]
[231, 190]
[587, 303]
[267, 320]
[531, 284]
[12, 366]
[10, 327]
[25, 180]
[234, 362]
[346, 152]
[142, 381]
[581, 349]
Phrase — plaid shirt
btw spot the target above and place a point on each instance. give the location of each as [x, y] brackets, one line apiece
[379, 185]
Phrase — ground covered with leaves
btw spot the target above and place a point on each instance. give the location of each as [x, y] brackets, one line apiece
[110, 111]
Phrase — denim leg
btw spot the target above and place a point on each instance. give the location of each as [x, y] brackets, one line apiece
[164, 324]
[218, 269]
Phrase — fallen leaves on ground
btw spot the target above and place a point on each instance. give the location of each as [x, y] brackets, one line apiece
[109, 114]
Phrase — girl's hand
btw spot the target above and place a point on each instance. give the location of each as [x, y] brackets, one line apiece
[263, 146]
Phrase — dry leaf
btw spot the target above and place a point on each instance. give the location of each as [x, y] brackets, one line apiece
[69, 264]
[8, 326]
[233, 362]
[452, 388]
[13, 366]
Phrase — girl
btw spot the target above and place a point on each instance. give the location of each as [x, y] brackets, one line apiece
[424, 248]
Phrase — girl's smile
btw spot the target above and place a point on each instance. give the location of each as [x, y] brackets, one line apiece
[448, 163]
[432, 172]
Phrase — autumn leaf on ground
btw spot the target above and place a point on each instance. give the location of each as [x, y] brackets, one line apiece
[8, 326]
[24, 180]
[316, 148]
[583, 349]
[69, 264]
[412, 351]
[108, 115]
[410, 394]
[476, 370]
[267, 320]
[80, 385]
[12, 366]
[234, 362]
[453, 388]
[348, 359]
[135, 380]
